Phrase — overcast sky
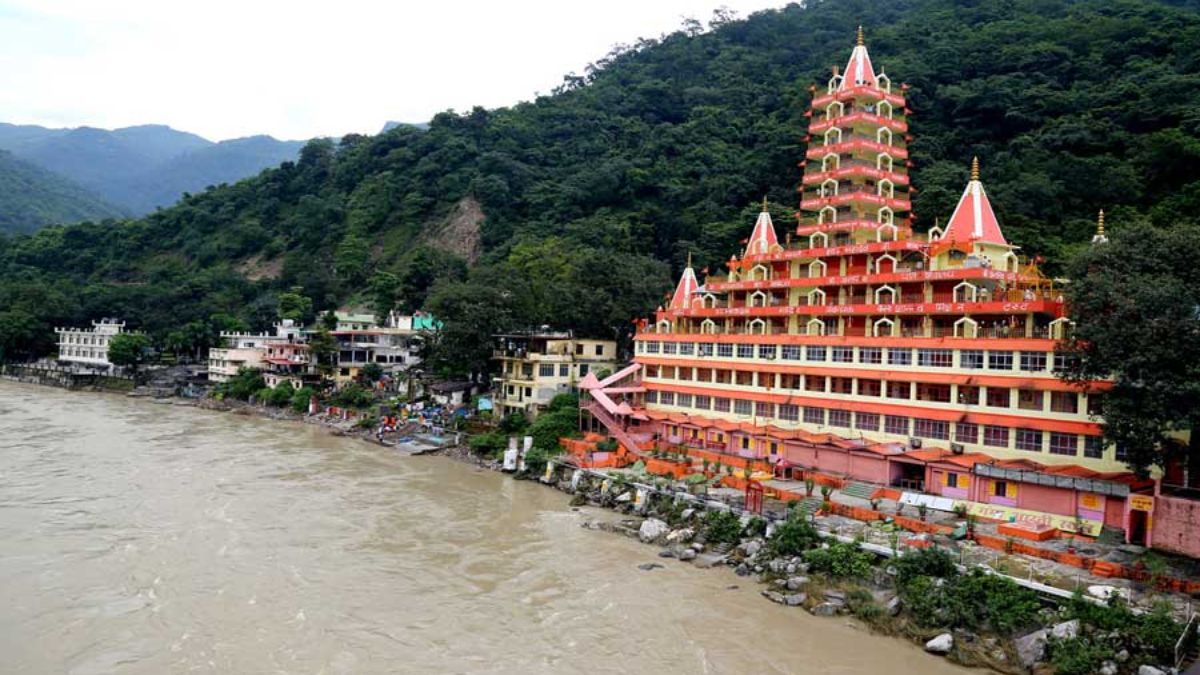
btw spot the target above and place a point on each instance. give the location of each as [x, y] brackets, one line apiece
[230, 68]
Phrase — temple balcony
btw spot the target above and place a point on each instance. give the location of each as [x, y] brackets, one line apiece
[859, 93]
[858, 118]
[853, 168]
[856, 196]
[856, 144]
[1040, 304]
[902, 274]
[848, 225]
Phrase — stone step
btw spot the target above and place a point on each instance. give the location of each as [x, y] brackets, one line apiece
[860, 490]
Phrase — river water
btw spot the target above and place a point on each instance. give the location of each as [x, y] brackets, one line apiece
[142, 538]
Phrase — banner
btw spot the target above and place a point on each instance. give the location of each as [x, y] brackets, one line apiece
[1013, 515]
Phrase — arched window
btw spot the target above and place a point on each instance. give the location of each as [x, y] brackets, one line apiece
[834, 83]
[886, 188]
[709, 301]
[817, 268]
[760, 273]
[884, 135]
[883, 82]
[708, 327]
[833, 136]
[818, 240]
[827, 214]
[758, 299]
[757, 327]
[885, 109]
[816, 297]
[829, 188]
[883, 328]
[886, 264]
[664, 326]
[966, 327]
[965, 292]
[1010, 262]
[885, 294]
[885, 216]
[815, 327]
[835, 109]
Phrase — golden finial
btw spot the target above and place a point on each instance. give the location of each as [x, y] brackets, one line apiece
[861, 41]
[689, 259]
[1100, 224]
[764, 207]
[975, 168]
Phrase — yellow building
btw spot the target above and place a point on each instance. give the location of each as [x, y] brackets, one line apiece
[536, 367]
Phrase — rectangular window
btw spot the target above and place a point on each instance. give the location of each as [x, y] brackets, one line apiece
[685, 348]
[814, 383]
[1000, 488]
[899, 390]
[742, 407]
[869, 387]
[766, 351]
[998, 397]
[842, 354]
[1000, 360]
[723, 376]
[790, 381]
[683, 374]
[684, 400]
[814, 353]
[670, 348]
[791, 353]
[965, 432]
[705, 349]
[651, 396]
[995, 437]
[1121, 452]
[1064, 362]
[936, 393]
[789, 413]
[866, 421]
[546, 370]
[745, 379]
[934, 429]
[1093, 447]
[951, 479]
[651, 347]
[814, 415]
[1029, 399]
[725, 351]
[872, 355]
[971, 358]
[839, 418]
[894, 424]
[579, 350]
[564, 370]
[1064, 402]
[667, 398]
[721, 405]
[935, 358]
[1033, 362]
[639, 347]
[841, 385]
[968, 394]
[703, 402]
[745, 351]
[1029, 440]
[1064, 444]
[1095, 405]
[899, 357]
[763, 409]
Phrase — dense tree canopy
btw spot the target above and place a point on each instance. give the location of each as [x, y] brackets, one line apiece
[1136, 304]
[591, 196]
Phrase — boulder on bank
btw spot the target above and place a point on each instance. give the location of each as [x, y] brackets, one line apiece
[795, 599]
[796, 583]
[1031, 648]
[1150, 670]
[826, 609]
[652, 529]
[941, 644]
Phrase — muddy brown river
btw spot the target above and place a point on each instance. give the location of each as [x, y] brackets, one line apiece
[143, 538]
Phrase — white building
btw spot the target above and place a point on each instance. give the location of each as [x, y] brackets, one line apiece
[88, 346]
[247, 350]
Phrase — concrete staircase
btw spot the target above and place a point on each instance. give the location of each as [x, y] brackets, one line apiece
[808, 506]
[613, 425]
[860, 490]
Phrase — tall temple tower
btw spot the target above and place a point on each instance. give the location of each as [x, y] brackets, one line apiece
[862, 349]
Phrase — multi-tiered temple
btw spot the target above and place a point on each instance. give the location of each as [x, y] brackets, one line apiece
[857, 347]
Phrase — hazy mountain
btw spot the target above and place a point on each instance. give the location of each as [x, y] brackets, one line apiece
[31, 197]
[143, 167]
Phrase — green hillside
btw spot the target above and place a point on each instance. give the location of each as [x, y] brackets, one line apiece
[31, 197]
[574, 209]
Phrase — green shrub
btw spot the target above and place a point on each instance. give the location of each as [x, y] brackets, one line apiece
[722, 526]
[1156, 634]
[263, 395]
[514, 423]
[280, 396]
[301, 397]
[1078, 656]
[924, 562]
[840, 560]
[242, 386]
[862, 604]
[757, 527]
[353, 396]
[793, 537]
[488, 444]
[537, 458]
[367, 422]
[607, 445]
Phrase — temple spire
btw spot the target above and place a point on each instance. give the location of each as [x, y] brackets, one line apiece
[764, 204]
[973, 219]
[861, 40]
[859, 72]
[1100, 237]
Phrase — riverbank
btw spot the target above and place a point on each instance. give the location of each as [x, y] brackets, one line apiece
[853, 581]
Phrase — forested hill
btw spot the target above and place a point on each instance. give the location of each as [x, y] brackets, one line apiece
[31, 197]
[574, 209]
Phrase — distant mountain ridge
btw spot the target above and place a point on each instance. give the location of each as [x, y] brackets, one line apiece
[144, 167]
[31, 197]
